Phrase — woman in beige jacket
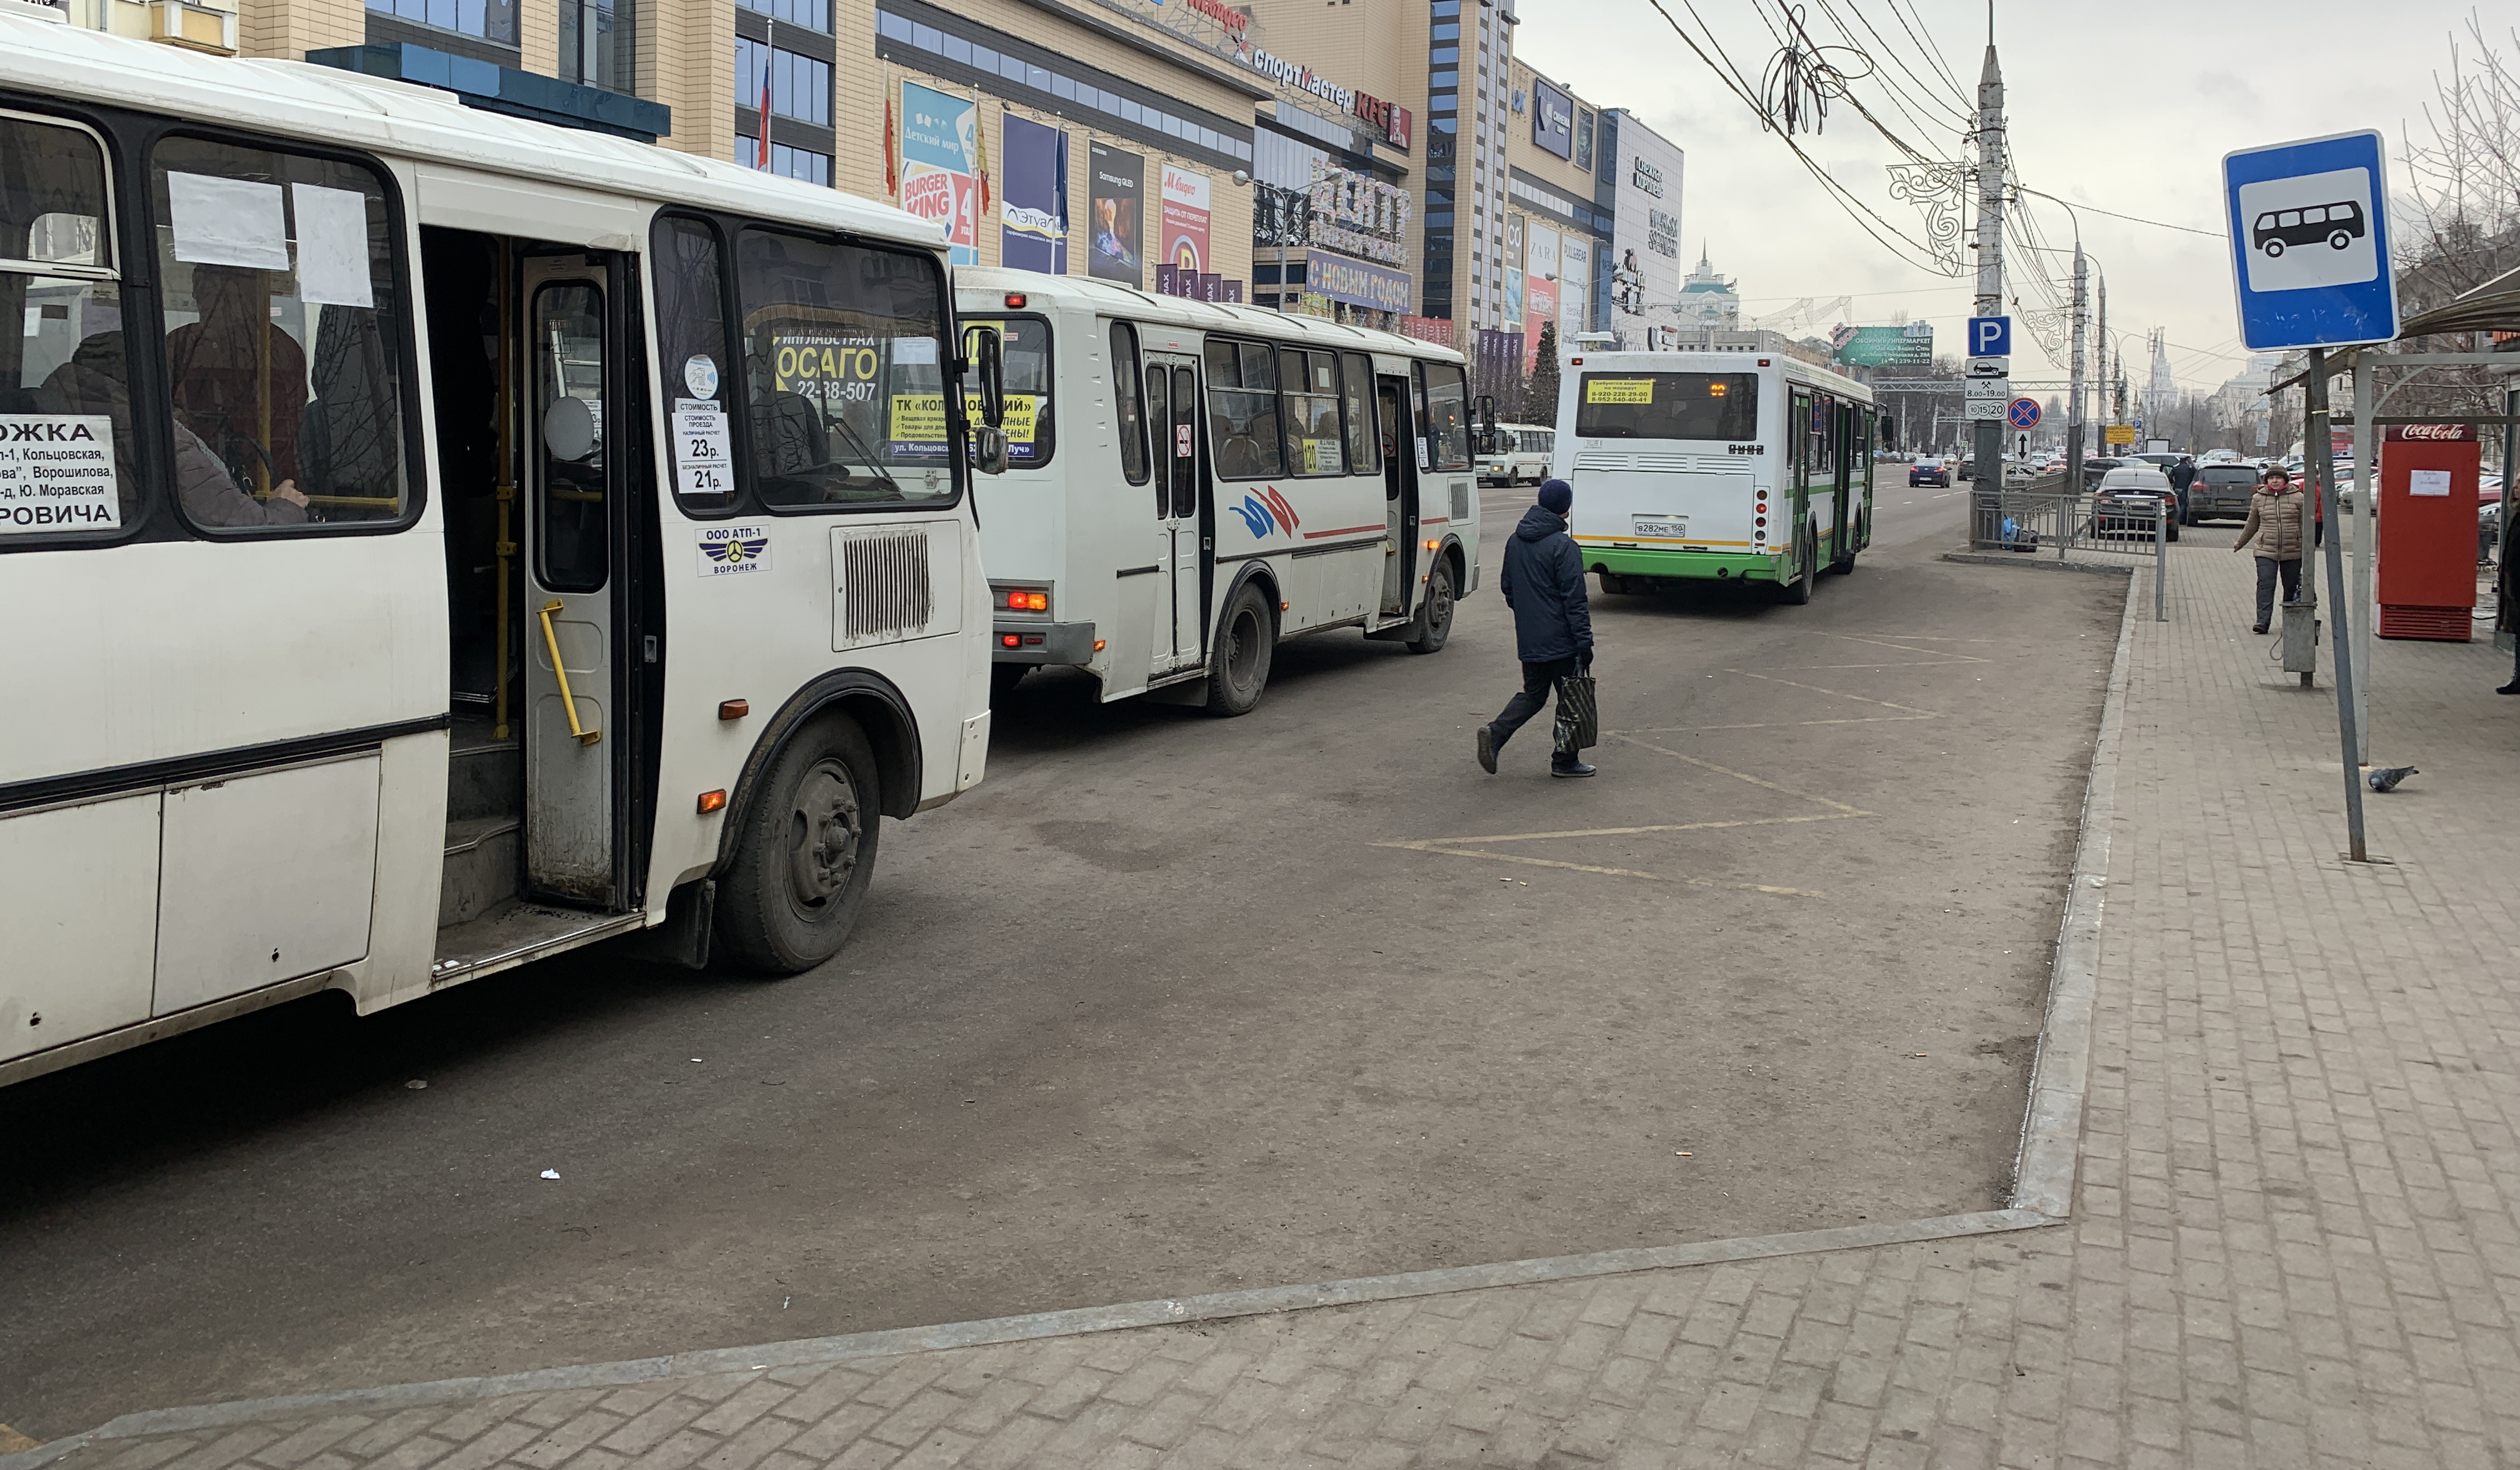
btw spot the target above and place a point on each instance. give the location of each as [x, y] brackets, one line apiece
[2275, 524]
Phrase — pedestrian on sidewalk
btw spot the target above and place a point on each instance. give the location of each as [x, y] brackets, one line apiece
[2275, 524]
[2182, 476]
[2507, 606]
[1553, 622]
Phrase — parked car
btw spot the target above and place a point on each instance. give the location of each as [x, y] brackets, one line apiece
[2129, 499]
[1930, 471]
[2220, 490]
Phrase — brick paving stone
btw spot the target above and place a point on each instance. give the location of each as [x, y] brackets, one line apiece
[2295, 1237]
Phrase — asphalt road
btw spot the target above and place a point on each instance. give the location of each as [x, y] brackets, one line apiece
[1171, 1003]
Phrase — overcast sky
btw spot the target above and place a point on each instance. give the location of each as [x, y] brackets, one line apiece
[2127, 106]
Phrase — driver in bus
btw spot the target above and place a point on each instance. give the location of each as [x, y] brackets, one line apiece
[228, 390]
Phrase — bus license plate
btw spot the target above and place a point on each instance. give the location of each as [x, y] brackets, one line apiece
[1671, 528]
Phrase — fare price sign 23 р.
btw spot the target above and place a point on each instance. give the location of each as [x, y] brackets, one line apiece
[2310, 242]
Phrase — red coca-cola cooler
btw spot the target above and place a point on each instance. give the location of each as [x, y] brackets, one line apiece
[2427, 543]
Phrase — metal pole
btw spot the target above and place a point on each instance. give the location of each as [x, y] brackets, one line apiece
[2073, 403]
[2366, 532]
[1990, 232]
[2160, 561]
[2323, 469]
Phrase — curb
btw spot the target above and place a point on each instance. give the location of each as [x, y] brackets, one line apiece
[2036, 564]
[2043, 1170]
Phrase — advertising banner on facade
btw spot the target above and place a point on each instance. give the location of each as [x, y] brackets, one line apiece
[1645, 237]
[1574, 286]
[1513, 295]
[940, 175]
[1540, 251]
[1357, 283]
[1032, 218]
[1186, 216]
[1552, 119]
[1116, 201]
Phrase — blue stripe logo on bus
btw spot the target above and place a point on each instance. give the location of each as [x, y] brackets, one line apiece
[727, 549]
[1269, 516]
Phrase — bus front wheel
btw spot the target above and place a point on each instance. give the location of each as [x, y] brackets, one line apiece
[1246, 638]
[2272, 247]
[1435, 614]
[806, 853]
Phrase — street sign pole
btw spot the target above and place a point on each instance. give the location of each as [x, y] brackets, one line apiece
[2074, 402]
[2322, 474]
[1990, 239]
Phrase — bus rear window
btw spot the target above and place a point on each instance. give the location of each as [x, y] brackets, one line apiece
[1668, 405]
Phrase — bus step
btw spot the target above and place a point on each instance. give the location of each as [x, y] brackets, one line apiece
[513, 933]
[481, 860]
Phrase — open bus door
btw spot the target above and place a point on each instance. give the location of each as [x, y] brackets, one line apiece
[583, 407]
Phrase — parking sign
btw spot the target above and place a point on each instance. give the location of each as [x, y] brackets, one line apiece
[2310, 242]
[1990, 336]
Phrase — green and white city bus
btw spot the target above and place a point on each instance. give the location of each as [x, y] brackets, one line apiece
[1715, 467]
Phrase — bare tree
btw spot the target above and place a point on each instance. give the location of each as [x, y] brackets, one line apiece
[2458, 222]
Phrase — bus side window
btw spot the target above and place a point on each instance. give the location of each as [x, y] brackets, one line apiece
[69, 361]
[691, 335]
[1243, 410]
[1313, 436]
[1447, 417]
[1125, 403]
[1363, 444]
[283, 343]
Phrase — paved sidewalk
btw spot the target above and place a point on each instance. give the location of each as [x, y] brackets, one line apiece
[2295, 1238]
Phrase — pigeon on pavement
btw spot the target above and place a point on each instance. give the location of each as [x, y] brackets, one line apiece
[2386, 778]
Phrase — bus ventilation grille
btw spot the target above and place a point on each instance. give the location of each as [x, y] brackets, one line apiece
[2448, 625]
[884, 588]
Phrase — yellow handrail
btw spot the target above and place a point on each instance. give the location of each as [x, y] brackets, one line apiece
[551, 641]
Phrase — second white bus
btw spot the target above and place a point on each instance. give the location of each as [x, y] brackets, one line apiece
[1715, 465]
[1190, 484]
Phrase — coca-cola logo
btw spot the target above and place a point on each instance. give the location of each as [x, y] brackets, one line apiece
[2433, 433]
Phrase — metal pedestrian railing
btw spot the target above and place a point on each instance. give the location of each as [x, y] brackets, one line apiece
[2037, 522]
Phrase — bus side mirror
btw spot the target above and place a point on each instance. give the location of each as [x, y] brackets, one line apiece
[1487, 413]
[992, 445]
[983, 349]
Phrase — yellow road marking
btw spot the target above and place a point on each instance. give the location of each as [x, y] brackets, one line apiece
[1778, 724]
[1616, 873]
[1840, 694]
[1626, 832]
[13, 1443]
[1835, 806]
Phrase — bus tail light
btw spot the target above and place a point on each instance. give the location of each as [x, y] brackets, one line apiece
[1022, 599]
[712, 801]
[1010, 641]
[1014, 300]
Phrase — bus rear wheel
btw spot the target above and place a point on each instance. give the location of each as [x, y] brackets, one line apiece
[1245, 641]
[806, 853]
[1799, 590]
[1435, 614]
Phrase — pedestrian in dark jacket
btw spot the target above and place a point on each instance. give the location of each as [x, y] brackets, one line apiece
[1553, 622]
[2182, 476]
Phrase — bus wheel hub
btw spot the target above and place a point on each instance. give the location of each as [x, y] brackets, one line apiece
[822, 833]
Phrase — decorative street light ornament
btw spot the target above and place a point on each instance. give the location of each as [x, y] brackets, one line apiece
[1935, 189]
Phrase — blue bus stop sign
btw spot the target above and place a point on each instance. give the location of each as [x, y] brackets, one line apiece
[2310, 242]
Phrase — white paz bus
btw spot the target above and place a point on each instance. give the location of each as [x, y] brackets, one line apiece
[416, 564]
[1190, 484]
[1715, 465]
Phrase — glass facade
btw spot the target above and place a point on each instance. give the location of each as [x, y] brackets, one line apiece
[489, 19]
[599, 43]
[800, 87]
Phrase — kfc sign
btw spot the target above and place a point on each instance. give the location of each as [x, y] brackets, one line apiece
[1394, 120]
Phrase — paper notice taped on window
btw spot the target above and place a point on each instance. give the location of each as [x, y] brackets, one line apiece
[56, 473]
[333, 247]
[1618, 390]
[2428, 482]
[703, 452]
[227, 222]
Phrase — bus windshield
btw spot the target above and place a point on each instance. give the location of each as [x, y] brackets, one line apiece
[842, 350]
[1668, 405]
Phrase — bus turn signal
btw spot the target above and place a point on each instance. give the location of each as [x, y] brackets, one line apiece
[733, 709]
[712, 801]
